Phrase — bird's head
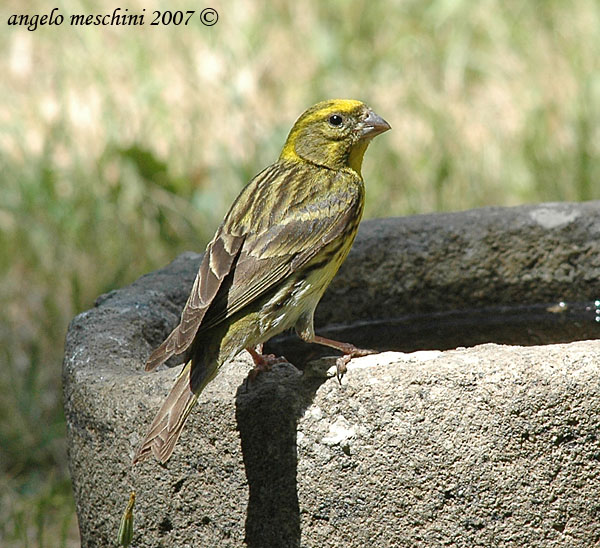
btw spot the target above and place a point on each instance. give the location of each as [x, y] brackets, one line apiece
[334, 134]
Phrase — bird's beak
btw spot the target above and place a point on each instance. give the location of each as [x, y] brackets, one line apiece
[373, 125]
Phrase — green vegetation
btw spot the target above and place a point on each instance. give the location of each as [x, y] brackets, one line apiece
[121, 147]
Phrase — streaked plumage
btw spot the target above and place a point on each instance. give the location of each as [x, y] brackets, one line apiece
[272, 258]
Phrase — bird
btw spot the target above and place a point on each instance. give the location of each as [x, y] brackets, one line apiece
[271, 259]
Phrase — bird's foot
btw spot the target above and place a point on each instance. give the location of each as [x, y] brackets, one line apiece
[341, 364]
[262, 362]
[349, 350]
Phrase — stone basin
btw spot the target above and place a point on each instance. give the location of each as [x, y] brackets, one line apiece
[477, 425]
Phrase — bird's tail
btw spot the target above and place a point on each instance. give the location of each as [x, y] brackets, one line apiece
[168, 423]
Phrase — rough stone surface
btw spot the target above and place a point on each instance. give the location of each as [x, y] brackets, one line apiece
[488, 446]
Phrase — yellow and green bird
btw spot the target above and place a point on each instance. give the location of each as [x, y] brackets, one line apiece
[272, 258]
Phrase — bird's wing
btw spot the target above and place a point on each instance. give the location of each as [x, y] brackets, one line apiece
[286, 243]
[216, 264]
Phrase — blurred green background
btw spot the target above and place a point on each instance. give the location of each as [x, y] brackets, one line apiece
[121, 147]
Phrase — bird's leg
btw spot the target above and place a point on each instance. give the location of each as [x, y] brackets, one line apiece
[262, 362]
[349, 350]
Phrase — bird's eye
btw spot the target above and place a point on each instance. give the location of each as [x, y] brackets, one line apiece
[336, 120]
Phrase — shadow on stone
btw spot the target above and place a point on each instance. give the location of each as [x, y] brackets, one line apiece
[267, 420]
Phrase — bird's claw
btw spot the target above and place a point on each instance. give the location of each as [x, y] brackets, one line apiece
[341, 364]
[262, 363]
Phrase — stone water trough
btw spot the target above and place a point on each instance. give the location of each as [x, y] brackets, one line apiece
[478, 424]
